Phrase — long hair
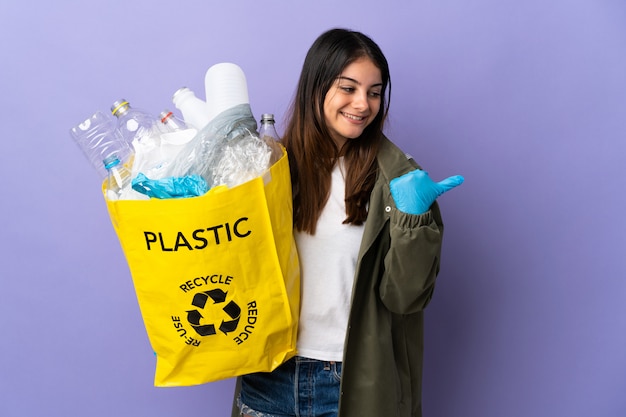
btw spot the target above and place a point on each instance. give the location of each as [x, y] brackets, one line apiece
[312, 152]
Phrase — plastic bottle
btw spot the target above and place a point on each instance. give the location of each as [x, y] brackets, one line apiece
[99, 138]
[174, 137]
[268, 127]
[134, 125]
[225, 87]
[119, 177]
[268, 134]
[194, 110]
[140, 129]
[171, 123]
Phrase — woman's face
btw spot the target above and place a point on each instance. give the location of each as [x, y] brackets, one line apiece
[353, 101]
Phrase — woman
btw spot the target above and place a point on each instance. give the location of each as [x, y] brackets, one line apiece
[369, 234]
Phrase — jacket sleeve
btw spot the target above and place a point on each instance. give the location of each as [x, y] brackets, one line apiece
[412, 260]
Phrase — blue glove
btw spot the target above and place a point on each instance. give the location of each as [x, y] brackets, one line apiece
[415, 192]
[170, 187]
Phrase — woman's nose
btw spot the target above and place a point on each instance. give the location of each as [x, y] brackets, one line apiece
[360, 101]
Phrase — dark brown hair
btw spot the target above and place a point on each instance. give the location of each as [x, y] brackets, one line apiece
[312, 152]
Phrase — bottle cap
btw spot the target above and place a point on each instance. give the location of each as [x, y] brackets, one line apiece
[164, 115]
[182, 91]
[110, 161]
[119, 107]
[267, 117]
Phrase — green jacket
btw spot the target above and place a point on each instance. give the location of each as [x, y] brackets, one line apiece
[395, 278]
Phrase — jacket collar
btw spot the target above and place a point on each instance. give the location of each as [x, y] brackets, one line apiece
[393, 162]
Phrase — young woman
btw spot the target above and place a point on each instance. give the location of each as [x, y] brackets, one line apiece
[369, 233]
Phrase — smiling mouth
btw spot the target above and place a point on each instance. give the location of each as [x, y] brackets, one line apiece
[353, 117]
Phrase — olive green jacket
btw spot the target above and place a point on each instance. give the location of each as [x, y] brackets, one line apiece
[395, 278]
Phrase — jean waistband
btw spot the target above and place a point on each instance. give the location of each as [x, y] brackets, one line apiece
[301, 359]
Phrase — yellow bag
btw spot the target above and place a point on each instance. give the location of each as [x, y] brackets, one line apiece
[216, 277]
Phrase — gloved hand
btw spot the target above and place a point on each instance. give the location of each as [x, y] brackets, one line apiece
[415, 192]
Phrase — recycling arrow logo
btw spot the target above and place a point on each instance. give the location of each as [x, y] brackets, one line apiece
[232, 311]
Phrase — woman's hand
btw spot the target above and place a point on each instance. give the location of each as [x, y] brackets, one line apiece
[415, 192]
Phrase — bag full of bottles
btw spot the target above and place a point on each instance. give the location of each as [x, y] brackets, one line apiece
[202, 207]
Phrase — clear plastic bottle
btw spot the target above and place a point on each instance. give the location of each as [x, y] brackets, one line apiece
[171, 123]
[119, 177]
[174, 137]
[98, 138]
[135, 125]
[139, 128]
[269, 135]
[268, 127]
[194, 110]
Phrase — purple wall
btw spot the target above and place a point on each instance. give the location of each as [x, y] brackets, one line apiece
[526, 99]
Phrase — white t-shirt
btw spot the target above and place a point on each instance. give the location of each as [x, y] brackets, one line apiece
[327, 261]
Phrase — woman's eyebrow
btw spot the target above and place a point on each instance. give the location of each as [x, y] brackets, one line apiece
[343, 77]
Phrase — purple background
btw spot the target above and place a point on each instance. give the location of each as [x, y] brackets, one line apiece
[526, 99]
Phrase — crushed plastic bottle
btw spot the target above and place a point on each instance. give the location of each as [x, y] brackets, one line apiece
[98, 138]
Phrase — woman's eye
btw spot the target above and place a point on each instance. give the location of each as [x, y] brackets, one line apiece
[347, 89]
[375, 94]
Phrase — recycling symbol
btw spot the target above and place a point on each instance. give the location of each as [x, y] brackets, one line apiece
[232, 310]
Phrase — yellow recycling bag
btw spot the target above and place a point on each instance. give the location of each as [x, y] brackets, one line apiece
[216, 277]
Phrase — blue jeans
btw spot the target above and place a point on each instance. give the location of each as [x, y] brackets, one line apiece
[300, 387]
